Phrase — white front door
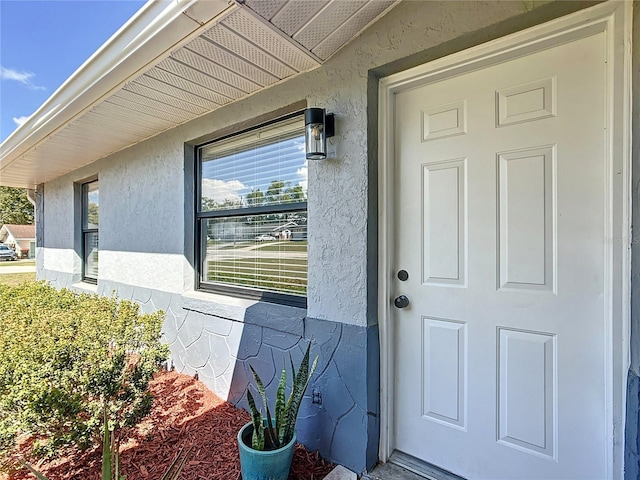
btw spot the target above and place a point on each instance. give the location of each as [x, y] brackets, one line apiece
[501, 224]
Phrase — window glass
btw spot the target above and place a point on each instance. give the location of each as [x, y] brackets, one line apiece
[252, 214]
[92, 202]
[263, 251]
[91, 255]
[263, 168]
[90, 237]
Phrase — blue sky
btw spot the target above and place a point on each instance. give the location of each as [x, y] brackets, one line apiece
[43, 42]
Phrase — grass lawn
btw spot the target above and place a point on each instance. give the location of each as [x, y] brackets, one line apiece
[232, 245]
[17, 278]
[280, 275]
[21, 263]
[284, 247]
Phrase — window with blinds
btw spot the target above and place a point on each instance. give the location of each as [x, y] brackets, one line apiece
[90, 221]
[251, 218]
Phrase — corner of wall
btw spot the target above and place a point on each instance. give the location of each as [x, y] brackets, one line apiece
[632, 452]
[189, 215]
[632, 446]
[39, 220]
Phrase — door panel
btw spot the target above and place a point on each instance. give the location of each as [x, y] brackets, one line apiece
[527, 393]
[445, 373]
[501, 180]
[444, 226]
[526, 220]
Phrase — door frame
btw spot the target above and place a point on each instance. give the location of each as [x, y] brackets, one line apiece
[613, 18]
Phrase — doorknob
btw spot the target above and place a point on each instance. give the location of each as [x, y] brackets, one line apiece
[401, 302]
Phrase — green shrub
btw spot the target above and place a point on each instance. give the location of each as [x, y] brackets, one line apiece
[65, 356]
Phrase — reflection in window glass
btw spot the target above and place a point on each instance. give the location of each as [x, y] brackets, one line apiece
[257, 172]
[92, 201]
[253, 211]
[267, 252]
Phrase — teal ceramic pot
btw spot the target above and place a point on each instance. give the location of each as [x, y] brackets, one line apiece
[263, 465]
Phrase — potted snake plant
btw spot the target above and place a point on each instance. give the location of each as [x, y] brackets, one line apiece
[266, 443]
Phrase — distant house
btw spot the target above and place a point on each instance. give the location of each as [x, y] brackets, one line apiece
[22, 237]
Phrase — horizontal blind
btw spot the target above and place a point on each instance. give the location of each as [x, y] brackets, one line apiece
[267, 252]
[265, 168]
[259, 249]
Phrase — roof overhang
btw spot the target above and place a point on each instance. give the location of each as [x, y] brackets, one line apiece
[174, 61]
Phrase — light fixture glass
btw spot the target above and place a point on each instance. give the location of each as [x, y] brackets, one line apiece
[318, 126]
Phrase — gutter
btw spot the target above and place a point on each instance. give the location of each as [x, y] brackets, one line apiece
[31, 196]
[152, 34]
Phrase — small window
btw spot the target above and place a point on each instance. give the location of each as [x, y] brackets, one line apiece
[251, 215]
[90, 221]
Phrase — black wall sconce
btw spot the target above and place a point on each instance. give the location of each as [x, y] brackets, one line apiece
[318, 126]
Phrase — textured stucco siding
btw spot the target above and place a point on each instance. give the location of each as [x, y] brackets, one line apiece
[141, 195]
[146, 229]
[141, 269]
[142, 201]
[59, 254]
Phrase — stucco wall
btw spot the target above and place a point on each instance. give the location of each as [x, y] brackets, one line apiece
[142, 216]
[59, 210]
[146, 241]
[142, 200]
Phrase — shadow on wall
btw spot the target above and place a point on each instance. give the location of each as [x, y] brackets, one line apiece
[338, 416]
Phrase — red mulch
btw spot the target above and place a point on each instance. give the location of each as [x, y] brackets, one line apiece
[185, 414]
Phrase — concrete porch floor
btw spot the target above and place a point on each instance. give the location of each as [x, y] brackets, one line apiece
[405, 467]
[389, 471]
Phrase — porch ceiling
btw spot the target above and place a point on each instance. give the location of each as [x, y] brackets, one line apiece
[172, 62]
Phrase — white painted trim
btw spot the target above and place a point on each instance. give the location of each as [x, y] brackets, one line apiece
[386, 262]
[614, 18]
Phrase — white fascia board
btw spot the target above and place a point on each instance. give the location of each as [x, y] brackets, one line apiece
[157, 29]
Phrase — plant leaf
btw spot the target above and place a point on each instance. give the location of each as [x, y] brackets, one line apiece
[257, 439]
[177, 465]
[115, 457]
[293, 370]
[273, 437]
[281, 405]
[115, 463]
[271, 431]
[299, 387]
[28, 466]
[107, 473]
[293, 374]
